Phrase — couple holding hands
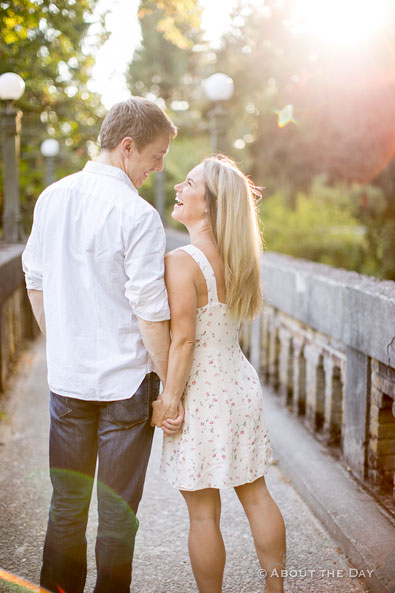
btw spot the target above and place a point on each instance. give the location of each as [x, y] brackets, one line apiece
[103, 293]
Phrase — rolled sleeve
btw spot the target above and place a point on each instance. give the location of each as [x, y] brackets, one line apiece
[145, 289]
[32, 256]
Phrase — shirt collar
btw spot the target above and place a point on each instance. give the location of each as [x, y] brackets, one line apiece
[102, 169]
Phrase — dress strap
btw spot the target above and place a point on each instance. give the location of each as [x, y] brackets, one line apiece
[207, 271]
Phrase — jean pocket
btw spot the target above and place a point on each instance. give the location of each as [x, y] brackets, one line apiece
[60, 406]
[126, 413]
[154, 384]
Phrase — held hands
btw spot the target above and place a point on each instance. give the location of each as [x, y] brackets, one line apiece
[168, 414]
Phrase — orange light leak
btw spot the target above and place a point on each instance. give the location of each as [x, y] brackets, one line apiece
[9, 577]
[346, 88]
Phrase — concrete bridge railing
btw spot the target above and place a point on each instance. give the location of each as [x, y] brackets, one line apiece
[325, 343]
[16, 319]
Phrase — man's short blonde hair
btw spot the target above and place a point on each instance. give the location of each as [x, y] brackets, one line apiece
[138, 118]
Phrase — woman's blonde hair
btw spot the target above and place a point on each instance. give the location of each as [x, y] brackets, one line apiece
[232, 214]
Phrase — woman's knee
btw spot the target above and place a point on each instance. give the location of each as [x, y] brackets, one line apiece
[203, 506]
[253, 493]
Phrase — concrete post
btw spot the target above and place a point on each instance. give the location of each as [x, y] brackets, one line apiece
[299, 376]
[10, 126]
[356, 411]
[285, 365]
[255, 344]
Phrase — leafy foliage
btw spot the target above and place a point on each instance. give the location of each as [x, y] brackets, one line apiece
[174, 18]
[342, 100]
[162, 68]
[170, 73]
[339, 225]
[342, 130]
[50, 46]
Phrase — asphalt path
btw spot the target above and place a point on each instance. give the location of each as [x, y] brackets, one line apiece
[315, 563]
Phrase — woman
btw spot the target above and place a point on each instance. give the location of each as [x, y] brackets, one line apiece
[212, 285]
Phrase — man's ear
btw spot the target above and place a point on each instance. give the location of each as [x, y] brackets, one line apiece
[128, 145]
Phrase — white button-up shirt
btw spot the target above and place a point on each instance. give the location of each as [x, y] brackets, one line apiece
[96, 250]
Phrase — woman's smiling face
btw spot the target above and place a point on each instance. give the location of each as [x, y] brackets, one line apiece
[190, 204]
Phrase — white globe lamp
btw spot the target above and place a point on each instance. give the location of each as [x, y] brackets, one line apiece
[50, 147]
[50, 150]
[218, 87]
[12, 86]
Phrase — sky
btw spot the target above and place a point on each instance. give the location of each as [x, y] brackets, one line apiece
[115, 55]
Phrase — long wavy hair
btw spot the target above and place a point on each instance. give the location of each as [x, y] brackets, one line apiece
[231, 208]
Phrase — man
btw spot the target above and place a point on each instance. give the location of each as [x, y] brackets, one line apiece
[94, 272]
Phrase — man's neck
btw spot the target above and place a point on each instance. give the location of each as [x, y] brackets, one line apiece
[108, 158]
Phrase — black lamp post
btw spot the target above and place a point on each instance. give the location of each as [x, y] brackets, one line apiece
[49, 149]
[11, 89]
[218, 88]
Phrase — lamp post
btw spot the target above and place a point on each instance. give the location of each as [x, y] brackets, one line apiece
[11, 89]
[50, 149]
[160, 193]
[218, 88]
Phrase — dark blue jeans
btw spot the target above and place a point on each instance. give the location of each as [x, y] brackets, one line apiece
[119, 435]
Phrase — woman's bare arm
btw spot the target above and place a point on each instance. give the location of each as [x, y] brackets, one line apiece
[180, 283]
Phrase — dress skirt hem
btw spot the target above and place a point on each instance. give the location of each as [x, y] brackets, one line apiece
[219, 486]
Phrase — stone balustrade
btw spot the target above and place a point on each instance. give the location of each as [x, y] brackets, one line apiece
[325, 343]
[16, 319]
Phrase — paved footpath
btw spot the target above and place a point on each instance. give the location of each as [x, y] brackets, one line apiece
[161, 559]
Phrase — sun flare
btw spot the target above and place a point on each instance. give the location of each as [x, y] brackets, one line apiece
[343, 22]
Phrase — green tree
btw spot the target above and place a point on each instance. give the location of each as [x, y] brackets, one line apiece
[174, 18]
[341, 225]
[341, 106]
[342, 101]
[50, 45]
[169, 68]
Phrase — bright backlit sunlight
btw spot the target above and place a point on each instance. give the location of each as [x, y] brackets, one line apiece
[344, 22]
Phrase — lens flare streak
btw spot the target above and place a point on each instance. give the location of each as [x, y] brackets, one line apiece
[285, 116]
[13, 579]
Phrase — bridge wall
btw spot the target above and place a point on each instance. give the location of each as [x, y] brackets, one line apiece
[325, 343]
[16, 320]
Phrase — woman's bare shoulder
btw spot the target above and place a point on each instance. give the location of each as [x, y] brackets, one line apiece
[177, 256]
[179, 260]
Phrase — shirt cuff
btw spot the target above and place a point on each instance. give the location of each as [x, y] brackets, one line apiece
[147, 315]
[33, 283]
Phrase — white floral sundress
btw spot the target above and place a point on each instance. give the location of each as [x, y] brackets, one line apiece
[223, 441]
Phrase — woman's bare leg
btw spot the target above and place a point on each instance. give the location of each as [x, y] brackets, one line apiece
[205, 543]
[268, 530]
